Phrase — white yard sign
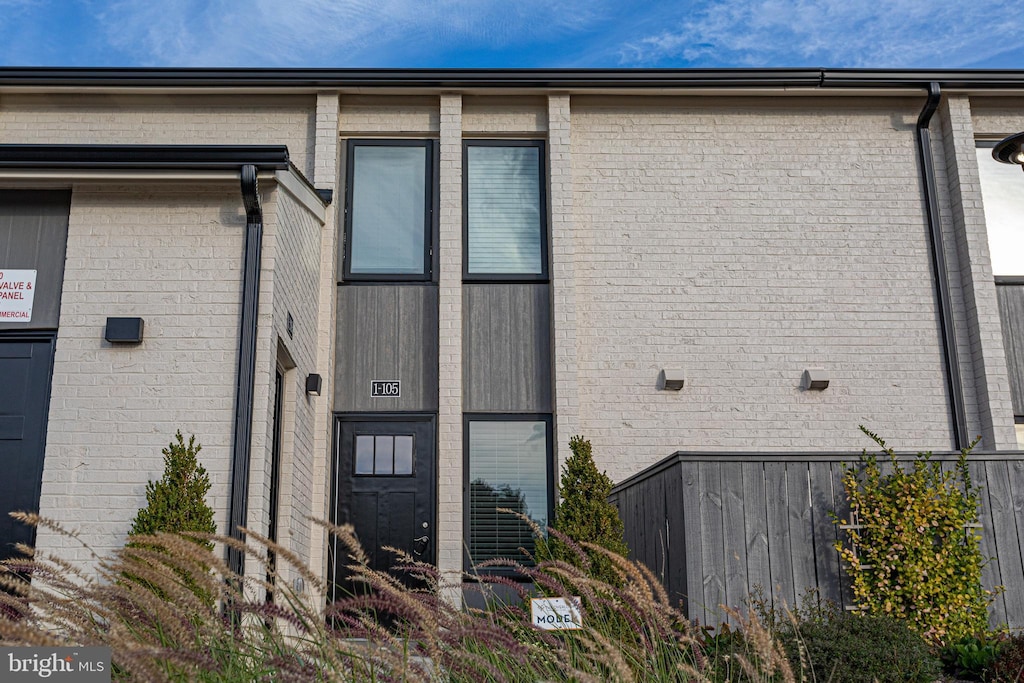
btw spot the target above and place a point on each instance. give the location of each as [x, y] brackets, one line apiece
[556, 614]
[17, 290]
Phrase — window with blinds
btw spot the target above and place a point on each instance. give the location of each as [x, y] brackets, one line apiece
[388, 209]
[508, 463]
[505, 214]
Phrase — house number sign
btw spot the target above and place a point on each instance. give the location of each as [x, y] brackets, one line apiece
[385, 388]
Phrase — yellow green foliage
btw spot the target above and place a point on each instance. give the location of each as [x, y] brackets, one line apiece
[912, 547]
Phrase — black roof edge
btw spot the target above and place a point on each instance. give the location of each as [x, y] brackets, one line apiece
[144, 157]
[509, 78]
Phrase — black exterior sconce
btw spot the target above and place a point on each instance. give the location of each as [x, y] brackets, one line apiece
[314, 383]
[124, 330]
[1010, 150]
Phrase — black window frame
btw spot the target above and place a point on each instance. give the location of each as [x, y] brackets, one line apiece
[429, 214]
[542, 179]
[549, 455]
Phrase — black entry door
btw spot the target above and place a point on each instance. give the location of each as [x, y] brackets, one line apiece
[25, 366]
[384, 487]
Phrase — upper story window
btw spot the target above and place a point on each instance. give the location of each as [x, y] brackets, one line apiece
[1002, 192]
[388, 209]
[505, 222]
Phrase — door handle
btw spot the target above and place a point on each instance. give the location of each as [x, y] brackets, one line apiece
[420, 544]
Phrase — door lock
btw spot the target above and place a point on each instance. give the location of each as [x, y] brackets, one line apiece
[420, 544]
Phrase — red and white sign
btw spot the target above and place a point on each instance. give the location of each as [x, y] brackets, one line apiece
[17, 290]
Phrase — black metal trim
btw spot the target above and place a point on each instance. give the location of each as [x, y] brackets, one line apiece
[847, 458]
[1009, 280]
[428, 211]
[144, 157]
[485, 278]
[939, 268]
[246, 378]
[548, 419]
[311, 79]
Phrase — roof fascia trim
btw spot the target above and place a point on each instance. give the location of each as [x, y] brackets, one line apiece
[142, 157]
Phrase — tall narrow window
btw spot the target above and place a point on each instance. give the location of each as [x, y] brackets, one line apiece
[505, 210]
[508, 467]
[388, 210]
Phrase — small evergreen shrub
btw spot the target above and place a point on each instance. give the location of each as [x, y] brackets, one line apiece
[1008, 666]
[177, 503]
[585, 516]
[913, 550]
[860, 648]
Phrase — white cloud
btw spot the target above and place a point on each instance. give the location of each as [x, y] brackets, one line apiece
[835, 33]
[338, 32]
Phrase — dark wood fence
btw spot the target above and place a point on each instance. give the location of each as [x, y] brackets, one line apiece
[715, 527]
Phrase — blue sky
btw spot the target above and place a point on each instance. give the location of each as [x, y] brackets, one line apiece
[514, 33]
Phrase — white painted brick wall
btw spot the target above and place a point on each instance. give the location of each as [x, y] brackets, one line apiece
[290, 282]
[449, 421]
[162, 119]
[743, 241]
[980, 340]
[563, 275]
[173, 257]
[504, 115]
[386, 116]
[327, 169]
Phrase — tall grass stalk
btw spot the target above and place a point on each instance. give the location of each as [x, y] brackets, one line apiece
[150, 603]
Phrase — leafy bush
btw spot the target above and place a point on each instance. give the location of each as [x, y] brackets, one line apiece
[913, 550]
[177, 503]
[971, 657]
[860, 648]
[584, 515]
[1008, 666]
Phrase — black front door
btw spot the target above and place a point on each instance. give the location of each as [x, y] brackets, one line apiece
[384, 487]
[25, 366]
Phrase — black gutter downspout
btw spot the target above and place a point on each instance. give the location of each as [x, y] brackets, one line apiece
[246, 375]
[924, 150]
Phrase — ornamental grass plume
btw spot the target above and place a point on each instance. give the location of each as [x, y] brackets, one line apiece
[390, 626]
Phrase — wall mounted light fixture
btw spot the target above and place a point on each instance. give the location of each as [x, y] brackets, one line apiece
[314, 383]
[672, 379]
[124, 330]
[815, 379]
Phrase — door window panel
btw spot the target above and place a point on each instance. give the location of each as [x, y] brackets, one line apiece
[384, 455]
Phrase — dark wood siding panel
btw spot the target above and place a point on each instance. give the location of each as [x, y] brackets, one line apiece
[386, 332]
[507, 348]
[1011, 312]
[33, 236]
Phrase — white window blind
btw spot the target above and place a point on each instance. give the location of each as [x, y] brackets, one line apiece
[504, 210]
[507, 469]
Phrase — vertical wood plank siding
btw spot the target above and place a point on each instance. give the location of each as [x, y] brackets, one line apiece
[386, 332]
[715, 528]
[1011, 314]
[34, 236]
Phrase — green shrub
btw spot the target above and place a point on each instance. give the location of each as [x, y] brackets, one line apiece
[860, 648]
[584, 515]
[177, 503]
[971, 657]
[1008, 666]
[913, 550]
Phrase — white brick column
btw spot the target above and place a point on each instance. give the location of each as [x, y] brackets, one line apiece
[325, 176]
[563, 275]
[449, 419]
[992, 416]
